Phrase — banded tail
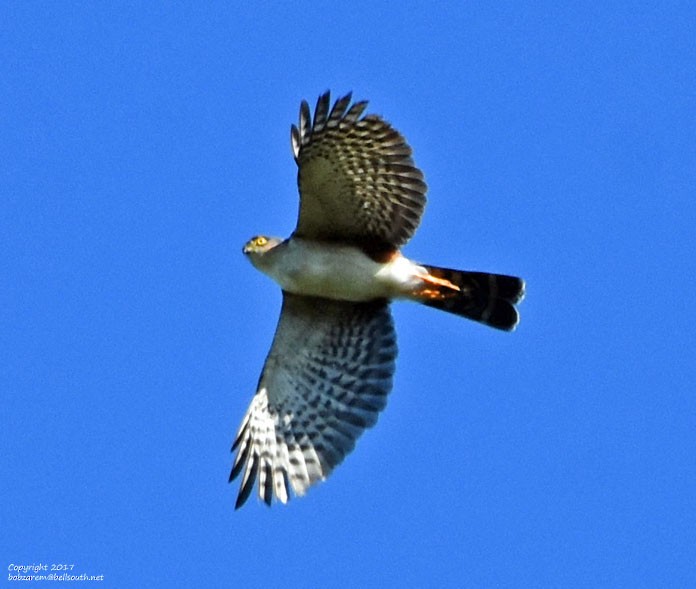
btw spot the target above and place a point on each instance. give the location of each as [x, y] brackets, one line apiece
[486, 298]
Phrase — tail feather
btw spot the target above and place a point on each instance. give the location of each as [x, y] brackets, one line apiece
[486, 298]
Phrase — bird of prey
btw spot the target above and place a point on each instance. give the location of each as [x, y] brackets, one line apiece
[331, 363]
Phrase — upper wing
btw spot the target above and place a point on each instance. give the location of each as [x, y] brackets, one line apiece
[356, 177]
[326, 378]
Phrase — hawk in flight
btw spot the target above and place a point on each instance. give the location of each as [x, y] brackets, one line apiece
[330, 367]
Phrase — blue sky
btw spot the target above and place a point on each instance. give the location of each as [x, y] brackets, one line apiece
[141, 146]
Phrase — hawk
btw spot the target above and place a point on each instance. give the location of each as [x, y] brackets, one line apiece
[330, 367]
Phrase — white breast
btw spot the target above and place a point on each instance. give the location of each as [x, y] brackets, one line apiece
[337, 271]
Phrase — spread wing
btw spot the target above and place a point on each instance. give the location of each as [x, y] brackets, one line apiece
[324, 382]
[356, 177]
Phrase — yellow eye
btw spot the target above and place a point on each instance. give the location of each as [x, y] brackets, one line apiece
[261, 241]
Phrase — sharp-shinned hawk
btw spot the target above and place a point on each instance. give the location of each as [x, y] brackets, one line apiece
[330, 367]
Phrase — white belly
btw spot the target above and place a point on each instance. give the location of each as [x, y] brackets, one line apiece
[338, 272]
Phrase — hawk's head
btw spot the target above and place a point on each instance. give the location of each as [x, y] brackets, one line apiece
[256, 250]
[259, 245]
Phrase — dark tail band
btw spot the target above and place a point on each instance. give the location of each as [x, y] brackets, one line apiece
[486, 298]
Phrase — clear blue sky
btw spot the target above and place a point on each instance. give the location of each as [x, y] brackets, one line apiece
[141, 144]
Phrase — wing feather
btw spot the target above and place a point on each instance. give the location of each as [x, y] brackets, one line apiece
[357, 180]
[324, 382]
[320, 113]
